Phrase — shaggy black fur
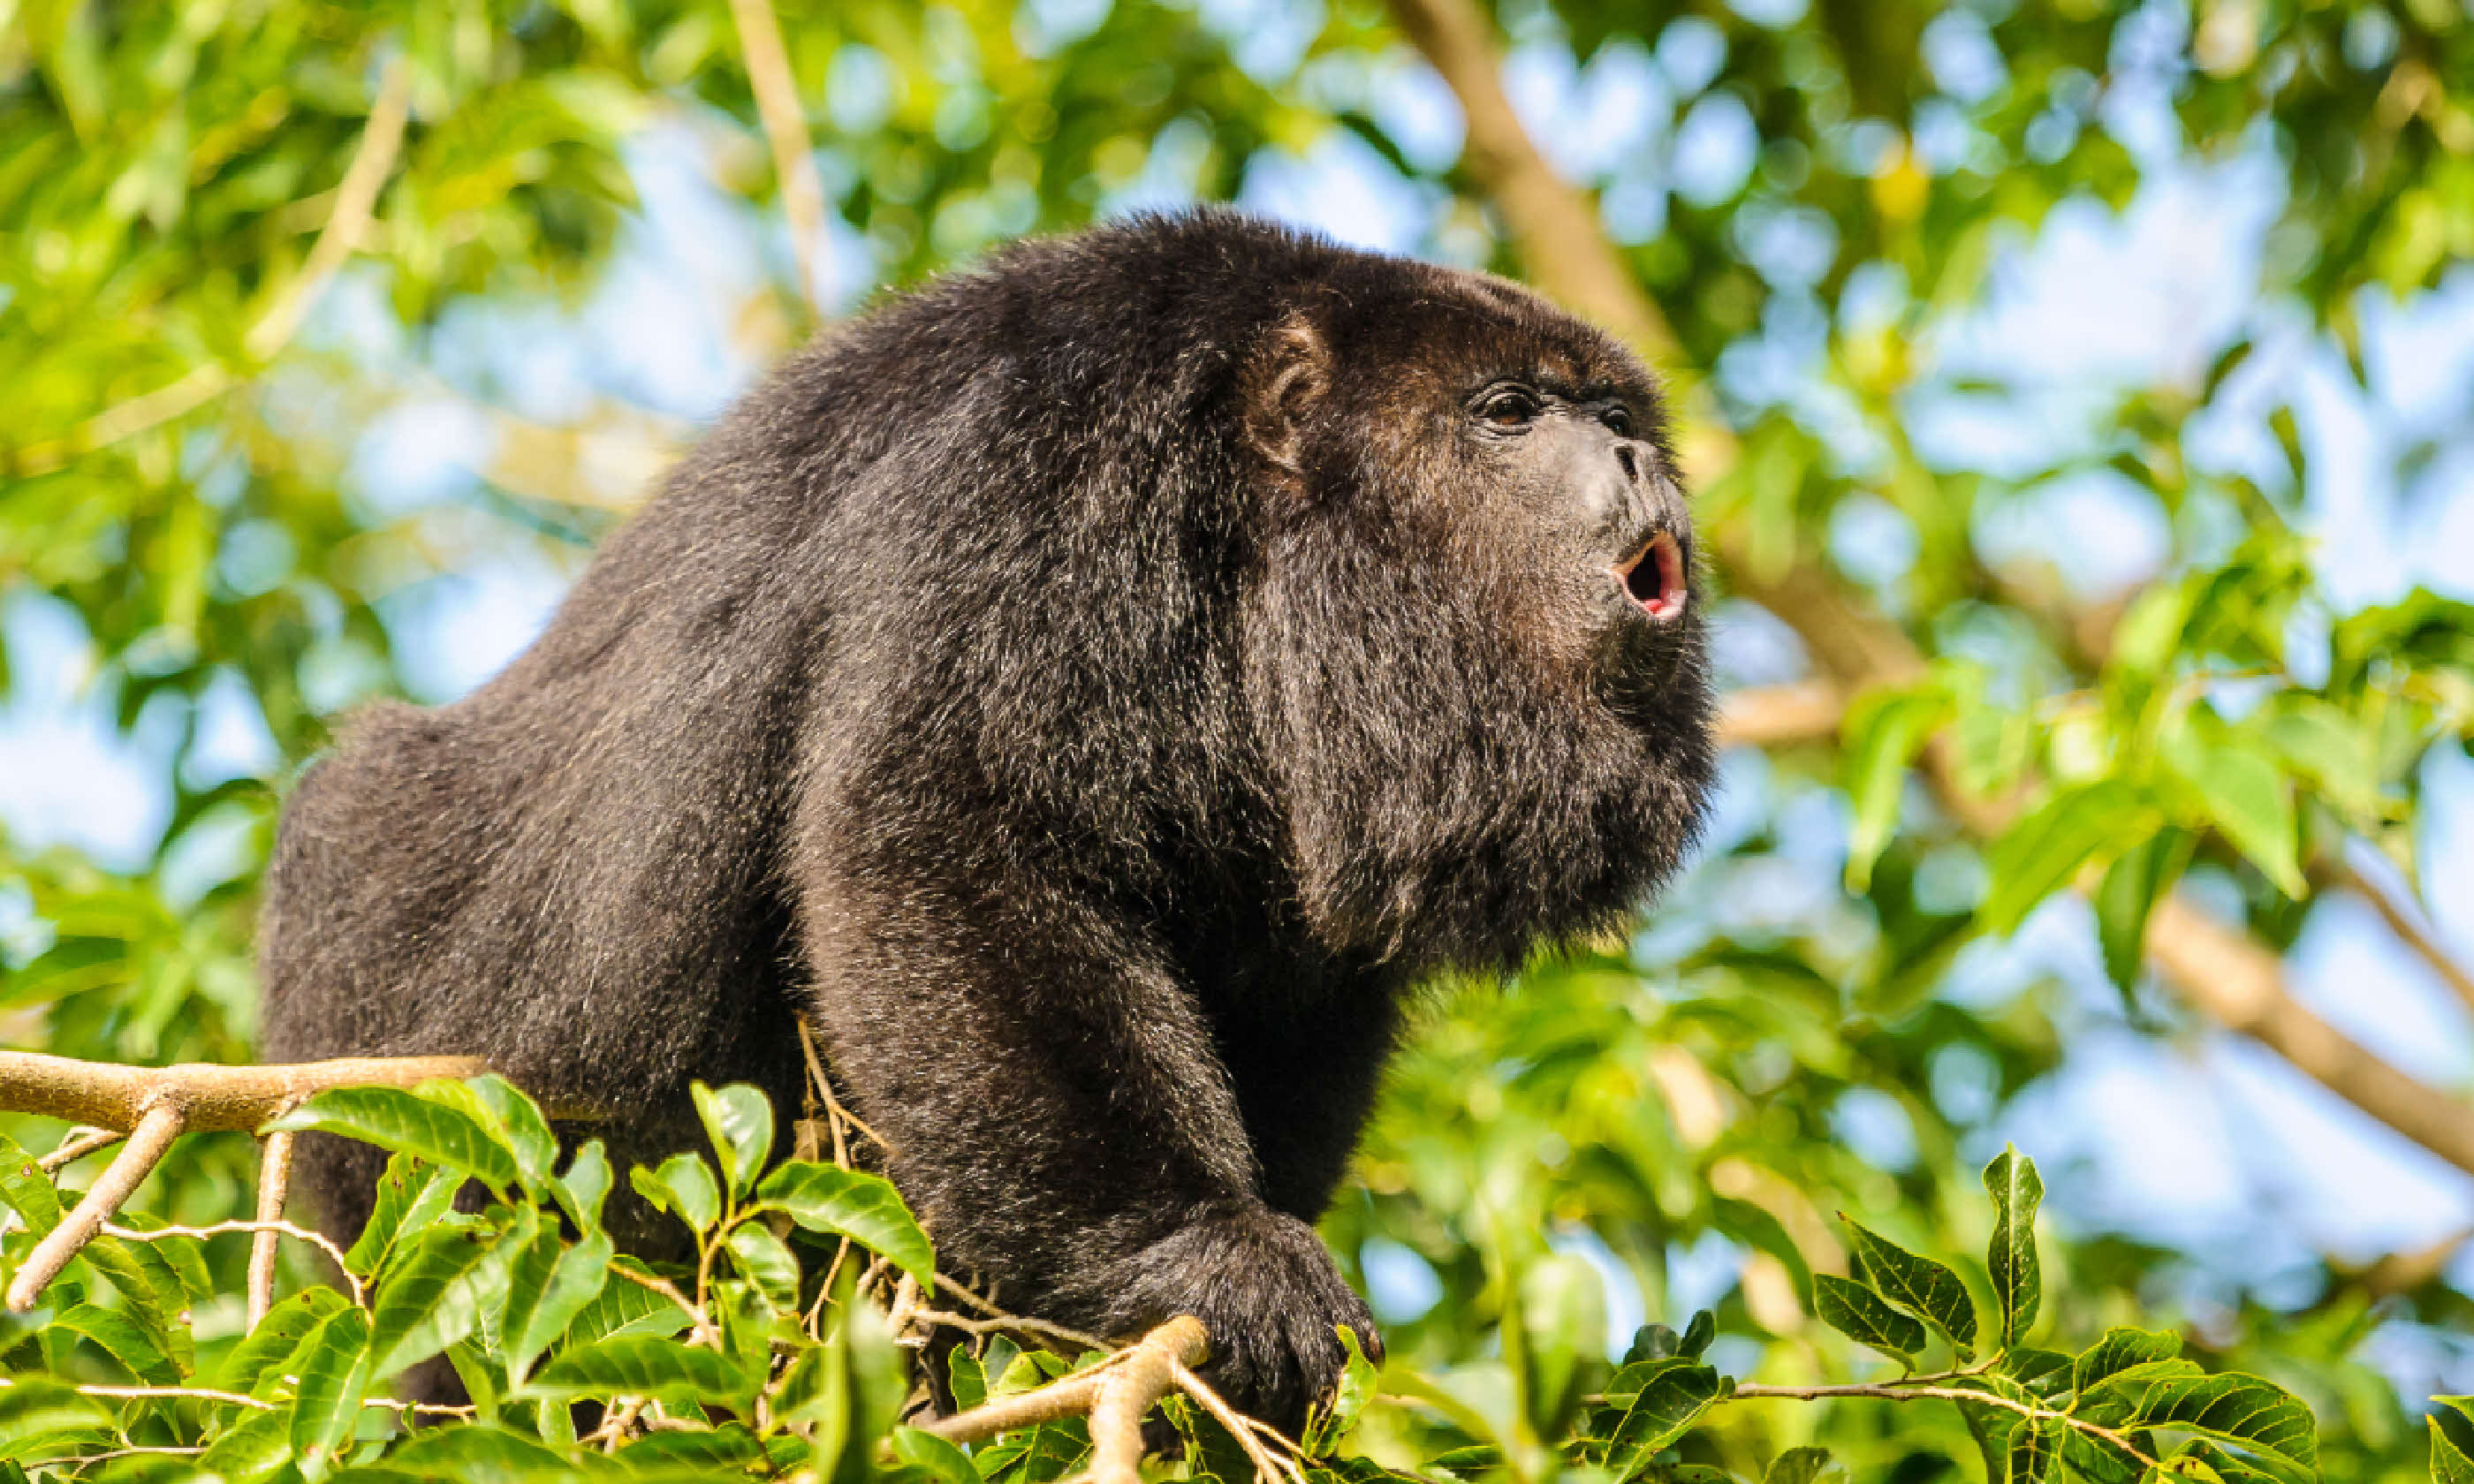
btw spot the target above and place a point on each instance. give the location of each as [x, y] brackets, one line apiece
[1093, 688]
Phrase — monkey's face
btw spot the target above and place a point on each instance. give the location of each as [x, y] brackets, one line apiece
[1585, 530]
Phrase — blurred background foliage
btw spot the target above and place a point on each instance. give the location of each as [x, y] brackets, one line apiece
[2079, 397]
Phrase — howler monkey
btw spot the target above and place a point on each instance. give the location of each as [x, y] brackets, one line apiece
[1091, 688]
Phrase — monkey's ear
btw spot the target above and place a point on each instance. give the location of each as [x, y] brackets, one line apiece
[1288, 375]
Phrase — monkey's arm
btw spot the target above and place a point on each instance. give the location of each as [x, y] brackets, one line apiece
[1060, 1116]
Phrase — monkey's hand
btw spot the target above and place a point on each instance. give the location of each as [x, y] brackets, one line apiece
[1267, 1290]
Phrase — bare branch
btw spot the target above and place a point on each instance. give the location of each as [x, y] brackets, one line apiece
[77, 1146]
[1153, 1361]
[1898, 1393]
[785, 132]
[1774, 715]
[2228, 975]
[156, 1130]
[274, 1182]
[355, 197]
[211, 1098]
[265, 1229]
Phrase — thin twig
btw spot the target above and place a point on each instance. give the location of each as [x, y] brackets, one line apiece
[1007, 1323]
[1239, 1426]
[77, 1146]
[178, 1393]
[704, 1328]
[1898, 1393]
[274, 1183]
[317, 1240]
[785, 132]
[825, 1089]
[355, 197]
[82, 1459]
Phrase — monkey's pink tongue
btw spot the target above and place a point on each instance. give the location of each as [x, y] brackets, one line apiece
[1655, 578]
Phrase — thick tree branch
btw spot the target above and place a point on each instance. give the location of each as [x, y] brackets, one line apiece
[1114, 1394]
[155, 1105]
[2221, 972]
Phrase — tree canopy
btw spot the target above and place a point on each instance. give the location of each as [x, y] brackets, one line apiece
[2047, 672]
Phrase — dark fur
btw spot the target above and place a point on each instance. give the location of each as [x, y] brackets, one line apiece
[1093, 687]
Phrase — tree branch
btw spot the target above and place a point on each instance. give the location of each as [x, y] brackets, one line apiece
[785, 132]
[155, 1105]
[2409, 928]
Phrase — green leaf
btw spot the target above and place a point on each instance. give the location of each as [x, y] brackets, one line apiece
[642, 1365]
[410, 1195]
[740, 1122]
[334, 1378]
[964, 1375]
[2119, 1349]
[1329, 1424]
[694, 1453]
[2240, 791]
[2035, 1447]
[2016, 1189]
[257, 1444]
[574, 1283]
[1884, 730]
[434, 1296]
[2044, 851]
[32, 1408]
[2132, 886]
[846, 1202]
[518, 1121]
[1918, 1284]
[626, 1308]
[393, 1118]
[27, 1189]
[479, 1453]
[123, 1339]
[154, 1294]
[2205, 1461]
[1860, 1314]
[768, 1264]
[1800, 1466]
[2259, 1416]
[683, 1185]
[943, 1461]
[277, 1337]
[2452, 1440]
[1667, 1405]
[581, 1190]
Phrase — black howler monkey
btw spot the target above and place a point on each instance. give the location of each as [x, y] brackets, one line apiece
[1092, 688]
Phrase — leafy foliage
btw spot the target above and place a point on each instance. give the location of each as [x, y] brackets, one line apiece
[758, 1363]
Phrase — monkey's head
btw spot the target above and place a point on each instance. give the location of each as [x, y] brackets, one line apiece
[1478, 634]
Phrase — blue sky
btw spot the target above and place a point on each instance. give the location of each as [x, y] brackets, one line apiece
[2210, 1144]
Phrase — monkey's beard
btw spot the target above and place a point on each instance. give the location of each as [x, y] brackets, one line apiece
[1451, 794]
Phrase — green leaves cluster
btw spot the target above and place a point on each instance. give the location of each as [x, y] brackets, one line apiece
[755, 1364]
[2127, 1410]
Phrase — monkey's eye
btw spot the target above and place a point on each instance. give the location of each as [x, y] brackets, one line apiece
[1618, 421]
[1508, 407]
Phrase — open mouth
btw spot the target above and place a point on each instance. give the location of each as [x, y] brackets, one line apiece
[1653, 578]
